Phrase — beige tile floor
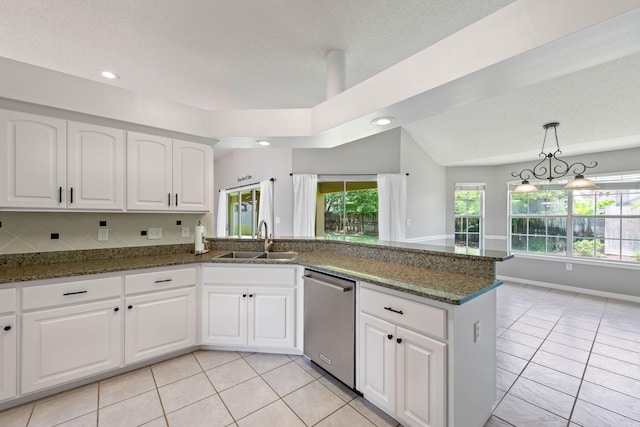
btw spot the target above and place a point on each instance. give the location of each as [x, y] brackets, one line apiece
[207, 388]
[563, 359]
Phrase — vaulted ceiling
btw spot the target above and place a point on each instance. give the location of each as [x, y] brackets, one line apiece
[227, 57]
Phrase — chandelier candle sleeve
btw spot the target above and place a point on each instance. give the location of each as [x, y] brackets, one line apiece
[551, 167]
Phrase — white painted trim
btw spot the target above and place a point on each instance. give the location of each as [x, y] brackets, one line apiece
[594, 292]
[495, 237]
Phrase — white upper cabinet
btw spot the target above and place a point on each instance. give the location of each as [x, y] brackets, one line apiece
[167, 175]
[95, 167]
[33, 156]
[191, 176]
[149, 164]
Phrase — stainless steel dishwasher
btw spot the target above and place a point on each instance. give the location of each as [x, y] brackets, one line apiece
[329, 324]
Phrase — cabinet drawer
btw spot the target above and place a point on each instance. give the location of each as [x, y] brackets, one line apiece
[420, 317]
[70, 292]
[145, 282]
[250, 275]
[7, 300]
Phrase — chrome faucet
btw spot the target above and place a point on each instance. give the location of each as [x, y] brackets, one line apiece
[267, 239]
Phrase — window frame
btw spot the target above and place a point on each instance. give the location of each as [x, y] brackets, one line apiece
[470, 187]
[255, 201]
[614, 183]
[344, 180]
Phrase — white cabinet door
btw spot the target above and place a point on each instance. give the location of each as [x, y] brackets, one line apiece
[192, 164]
[271, 317]
[159, 323]
[421, 392]
[95, 167]
[68, 343]
[33, 161]
[377, 361]
[8, 352]
[224, 315]
[149, 172]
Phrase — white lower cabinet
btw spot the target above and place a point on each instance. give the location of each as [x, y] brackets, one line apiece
[8, 344]
[401, 371]
[161, 312]
[68, 343]
[258, 316]
[159, 323]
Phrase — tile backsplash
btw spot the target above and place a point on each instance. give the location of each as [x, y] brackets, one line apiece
[24, 232]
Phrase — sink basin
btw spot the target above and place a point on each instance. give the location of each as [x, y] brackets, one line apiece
[240, 255]
[279, 255]
[276, 256]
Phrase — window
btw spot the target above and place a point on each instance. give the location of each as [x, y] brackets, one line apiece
[347, 209]
[601, 223]
[242, 211]
[469, 209]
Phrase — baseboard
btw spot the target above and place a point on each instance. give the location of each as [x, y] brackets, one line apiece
[593, 292]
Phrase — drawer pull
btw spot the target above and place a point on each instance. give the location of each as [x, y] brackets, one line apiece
[116, 309]
[74, 293]
[390, 336]
[164, 280]
[395, 311]
[7, 328]
[399, 340]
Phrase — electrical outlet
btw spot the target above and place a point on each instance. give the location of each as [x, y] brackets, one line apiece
[103, 234]
[569, 266]
[185, 232]
[154, 233]
[476, 331]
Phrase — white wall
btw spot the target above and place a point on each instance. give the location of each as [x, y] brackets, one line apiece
[588, 275]
[372, 155]
[425, 193]
[261, 164]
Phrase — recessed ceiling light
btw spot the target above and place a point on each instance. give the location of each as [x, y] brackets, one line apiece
[263, 143]
[109, 75]
[382, 121]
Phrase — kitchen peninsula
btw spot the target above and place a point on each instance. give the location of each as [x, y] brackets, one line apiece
[456, 289]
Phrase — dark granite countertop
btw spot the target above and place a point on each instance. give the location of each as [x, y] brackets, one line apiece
[449, 287]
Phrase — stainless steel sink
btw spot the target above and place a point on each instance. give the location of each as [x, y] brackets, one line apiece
[276, 256]
[240, 255]
[279, 255]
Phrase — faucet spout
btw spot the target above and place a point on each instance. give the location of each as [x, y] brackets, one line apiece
[267, 240]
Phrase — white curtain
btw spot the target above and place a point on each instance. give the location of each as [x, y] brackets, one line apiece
[221, 223]
[392, 207]
[305, 189]
[266, 204]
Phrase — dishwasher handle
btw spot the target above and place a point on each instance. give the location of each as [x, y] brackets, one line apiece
[336, 286]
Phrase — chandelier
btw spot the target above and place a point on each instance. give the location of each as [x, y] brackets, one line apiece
[551, 167]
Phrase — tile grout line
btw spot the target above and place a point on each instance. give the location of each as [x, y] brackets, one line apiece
[586, 364]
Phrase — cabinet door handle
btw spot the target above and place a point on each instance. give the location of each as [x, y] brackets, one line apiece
[244, 295]
[116, 309]
[395, 311]
[59, 194]
[129, 307]
[164, 280]
[7, 328]
[74, 293]
[71, 196]
[176, 199]
[168, 199]
[399, 340]
[390, 336]
[250, 295]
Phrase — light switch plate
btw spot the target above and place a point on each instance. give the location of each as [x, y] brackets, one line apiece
[154, 233]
